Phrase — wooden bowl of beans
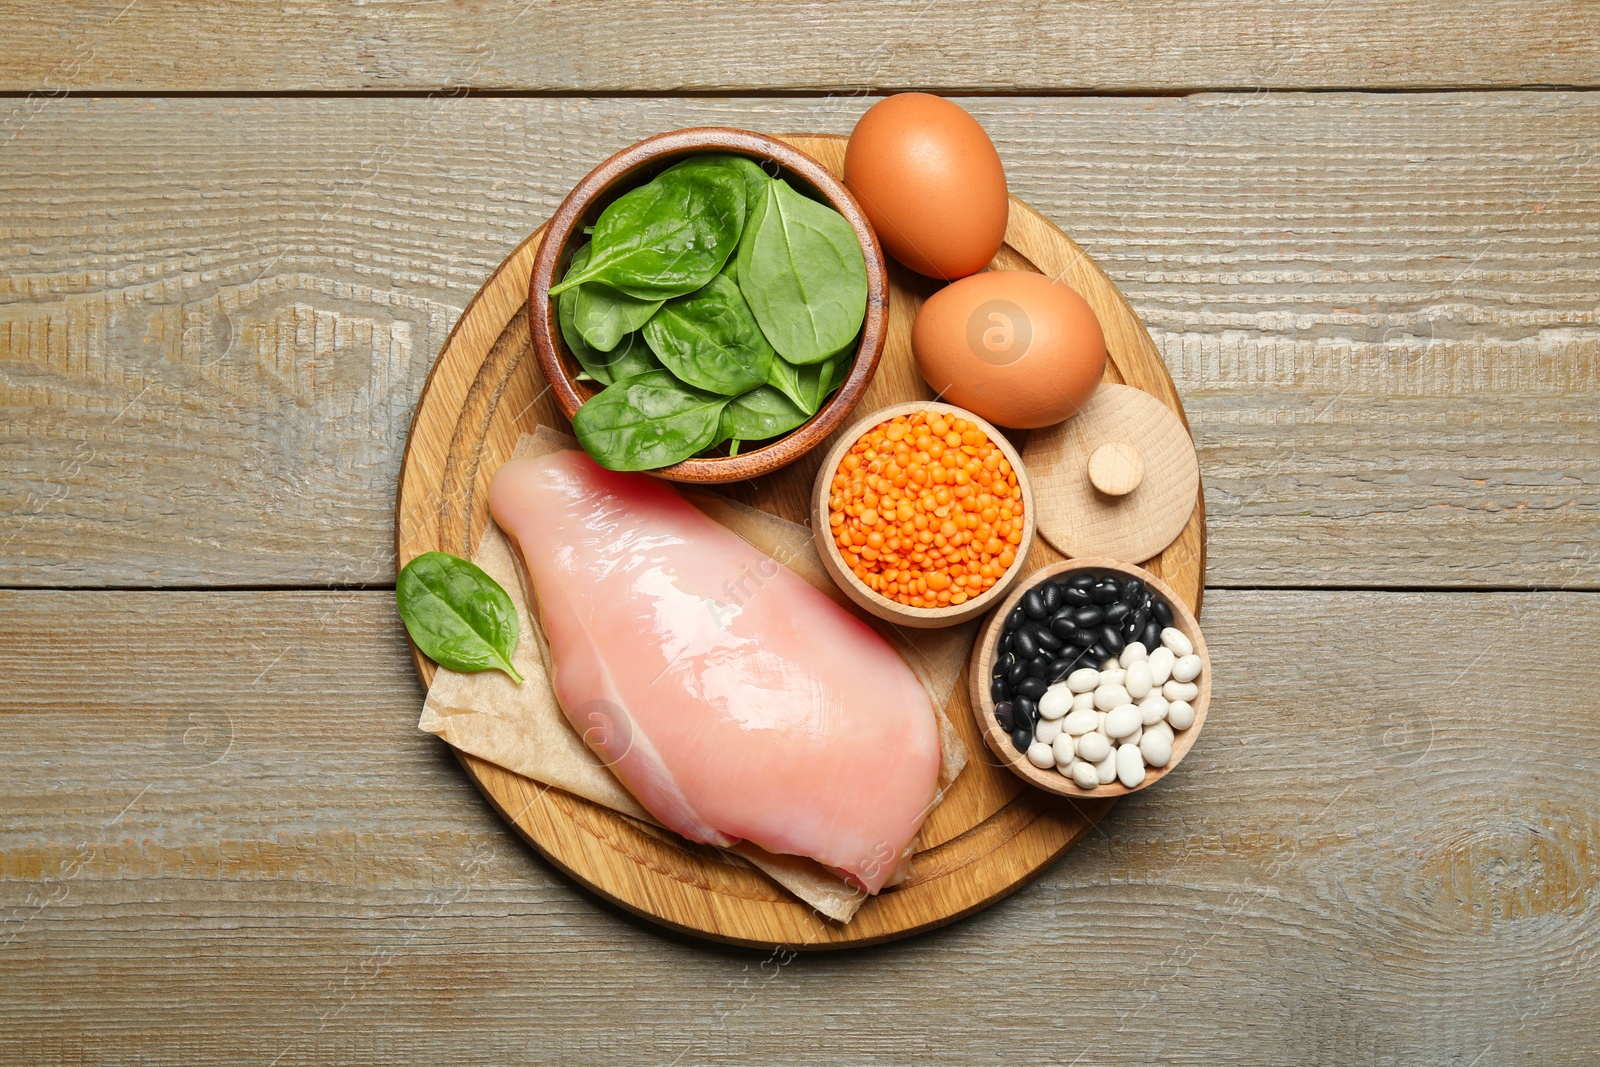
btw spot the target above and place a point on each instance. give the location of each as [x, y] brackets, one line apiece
[922, 514]
[1162, 688]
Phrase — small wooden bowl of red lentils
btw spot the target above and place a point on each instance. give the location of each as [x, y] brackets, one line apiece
[922, 514]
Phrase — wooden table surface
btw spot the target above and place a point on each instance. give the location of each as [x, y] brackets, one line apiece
[1365, 237]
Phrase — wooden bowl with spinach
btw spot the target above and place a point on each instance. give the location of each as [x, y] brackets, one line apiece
[708, 305]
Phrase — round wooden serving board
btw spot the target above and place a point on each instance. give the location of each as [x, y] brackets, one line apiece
[989, 836]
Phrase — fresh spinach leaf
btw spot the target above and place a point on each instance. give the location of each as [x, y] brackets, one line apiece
[710, 339]
[669, 236]
[647, 421]
[604, 316]
[801, 270]
[631, 357]
[761, 413]
[755, 178]
[809, 386]
[627, 357]
[458, 616]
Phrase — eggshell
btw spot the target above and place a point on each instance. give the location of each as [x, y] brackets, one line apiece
[931, 183]
[1013, 346]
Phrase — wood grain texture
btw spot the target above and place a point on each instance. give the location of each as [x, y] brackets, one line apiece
[987, 836]
[242, 862]
[665, 47]
[216, 315]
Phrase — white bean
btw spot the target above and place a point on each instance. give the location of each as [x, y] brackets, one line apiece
[1111, 696]
[1122, 720]
[1109, 665]
[1114, 676]
[1156, 749]
[1047, 730]
[1186, 669]
[1161, 661]
[1056, 702]
[1138, 682]
[1100, 722]
[1176, 691]
[1159, 728]
[1106, 770]
[1041, 755]
[1093, 747]
[1083, 680]
[1083, 773]
[1173, 638]
[1081, 722]
[1064, 749]
[1130, 765]
[1152, 709]
[1180, 715]
[1082, 701]
[1132, 654]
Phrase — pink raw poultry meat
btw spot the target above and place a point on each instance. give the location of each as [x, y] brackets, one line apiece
[730, 696]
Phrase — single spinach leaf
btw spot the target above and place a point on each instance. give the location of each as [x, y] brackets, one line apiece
[458, 616]
[710, 339]
[604, 316]
[647, 421]
[631, 357]
[802, 272]
[669, 236]
[761, 413]
[800, 384]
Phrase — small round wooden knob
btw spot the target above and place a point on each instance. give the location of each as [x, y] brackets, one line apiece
[1116, 469]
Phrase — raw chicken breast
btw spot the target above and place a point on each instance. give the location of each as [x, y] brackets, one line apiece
[730, 696]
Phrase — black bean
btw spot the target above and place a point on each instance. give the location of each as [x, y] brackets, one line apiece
[1002, 665]
[1075, 596]
[1025, 710]
[1017, 672]
[1118, 611]
[1045, 638]
[1007, 643]
[1161, 611]
[998, 690]
[1051, 592]
[1062, 625]
[1083, 638]
[1002, 715]
[1151, 635]
[1082, 581]
[1033, 688]
[1105, 592]
[1087, 617]
[1140, 617]
[1021, 739]
[1060, 668]
[1039, 666]
[1132, 590]
[1098, 653]
[1112, 640]
[1016, 618]
[1033, 604]
[1024, 644]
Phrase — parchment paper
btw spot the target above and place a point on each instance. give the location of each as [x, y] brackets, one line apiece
[523, 728]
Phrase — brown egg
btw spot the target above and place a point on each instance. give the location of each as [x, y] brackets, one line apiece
[1013, 346]
[931, 183]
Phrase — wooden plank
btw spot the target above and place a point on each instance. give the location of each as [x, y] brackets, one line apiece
[662, 47]
[216, 315]
[248, 854]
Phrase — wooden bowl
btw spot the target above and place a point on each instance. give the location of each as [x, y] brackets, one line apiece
[636, 165]
[982, 662]
[882, 606]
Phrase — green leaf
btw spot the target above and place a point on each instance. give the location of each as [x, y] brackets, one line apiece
[710, 339]
[761, 413]
[458, 616]
[669, 236]
[604, 316]
[647, 421]
[801, 270]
